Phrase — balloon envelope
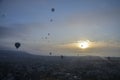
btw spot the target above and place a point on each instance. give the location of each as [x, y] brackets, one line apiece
[51, 20]
[61, 56]
[48, 34]
[17, 45]
[52, 9]
[50, 53]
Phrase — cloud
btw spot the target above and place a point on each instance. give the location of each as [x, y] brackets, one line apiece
[101, 48]
[8, 32]
[19, 30]
[99, 17]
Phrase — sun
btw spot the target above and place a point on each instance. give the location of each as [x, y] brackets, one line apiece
[83, 44]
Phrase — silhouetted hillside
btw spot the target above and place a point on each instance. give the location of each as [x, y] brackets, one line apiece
[10, 53]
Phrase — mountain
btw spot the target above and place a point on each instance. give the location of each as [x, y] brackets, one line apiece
[9, 55]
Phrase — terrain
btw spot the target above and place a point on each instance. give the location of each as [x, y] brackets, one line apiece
[18, 65]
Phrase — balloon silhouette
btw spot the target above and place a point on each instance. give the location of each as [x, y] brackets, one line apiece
[52, 9]
[45, 37]
[50, 53]
[17, 45]
[48, 34]
[61, 56]
[51, 20]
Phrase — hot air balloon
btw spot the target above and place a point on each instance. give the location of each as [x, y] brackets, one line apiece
[61, 56]
[51, 20]
[50, 53]
[48, 34]
[17, 45]
[45, 37]
[52, 9]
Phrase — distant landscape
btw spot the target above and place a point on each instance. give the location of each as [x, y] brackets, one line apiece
[59, 39]
[18, 65]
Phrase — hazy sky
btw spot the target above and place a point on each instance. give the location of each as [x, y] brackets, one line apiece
[28, 22]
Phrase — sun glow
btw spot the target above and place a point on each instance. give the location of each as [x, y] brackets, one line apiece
[83, 44]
